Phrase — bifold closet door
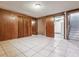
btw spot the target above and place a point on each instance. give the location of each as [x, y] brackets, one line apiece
[24, 26]
[27, 26]
[50, 26]
[8, 26]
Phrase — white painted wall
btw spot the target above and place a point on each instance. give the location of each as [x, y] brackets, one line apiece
[59, 24]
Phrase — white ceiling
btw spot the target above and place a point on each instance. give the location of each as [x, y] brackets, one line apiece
[47, 7]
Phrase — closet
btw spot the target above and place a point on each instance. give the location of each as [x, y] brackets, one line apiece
[24, 26]
[27, 26]
[50, 26]
[14, 25]
[8, 25]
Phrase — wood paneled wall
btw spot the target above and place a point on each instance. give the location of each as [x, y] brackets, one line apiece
[14, 25]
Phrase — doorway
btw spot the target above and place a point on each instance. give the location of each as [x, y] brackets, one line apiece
[59, 26]
[73, 26]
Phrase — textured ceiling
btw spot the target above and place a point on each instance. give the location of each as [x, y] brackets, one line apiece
[47, 7]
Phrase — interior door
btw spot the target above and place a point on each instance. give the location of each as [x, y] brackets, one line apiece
[50, 27]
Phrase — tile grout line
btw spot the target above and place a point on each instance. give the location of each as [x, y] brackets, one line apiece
[54, 49]
[18, 50]
[41, 48]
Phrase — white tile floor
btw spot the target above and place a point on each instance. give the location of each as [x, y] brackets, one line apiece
[39, 46]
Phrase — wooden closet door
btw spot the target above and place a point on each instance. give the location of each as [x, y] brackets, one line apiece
[20, 26]
[49, 27]
[2, 33]
[8, 26]
[25, 26]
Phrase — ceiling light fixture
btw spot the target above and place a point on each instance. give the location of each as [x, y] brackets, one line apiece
[37, 6]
